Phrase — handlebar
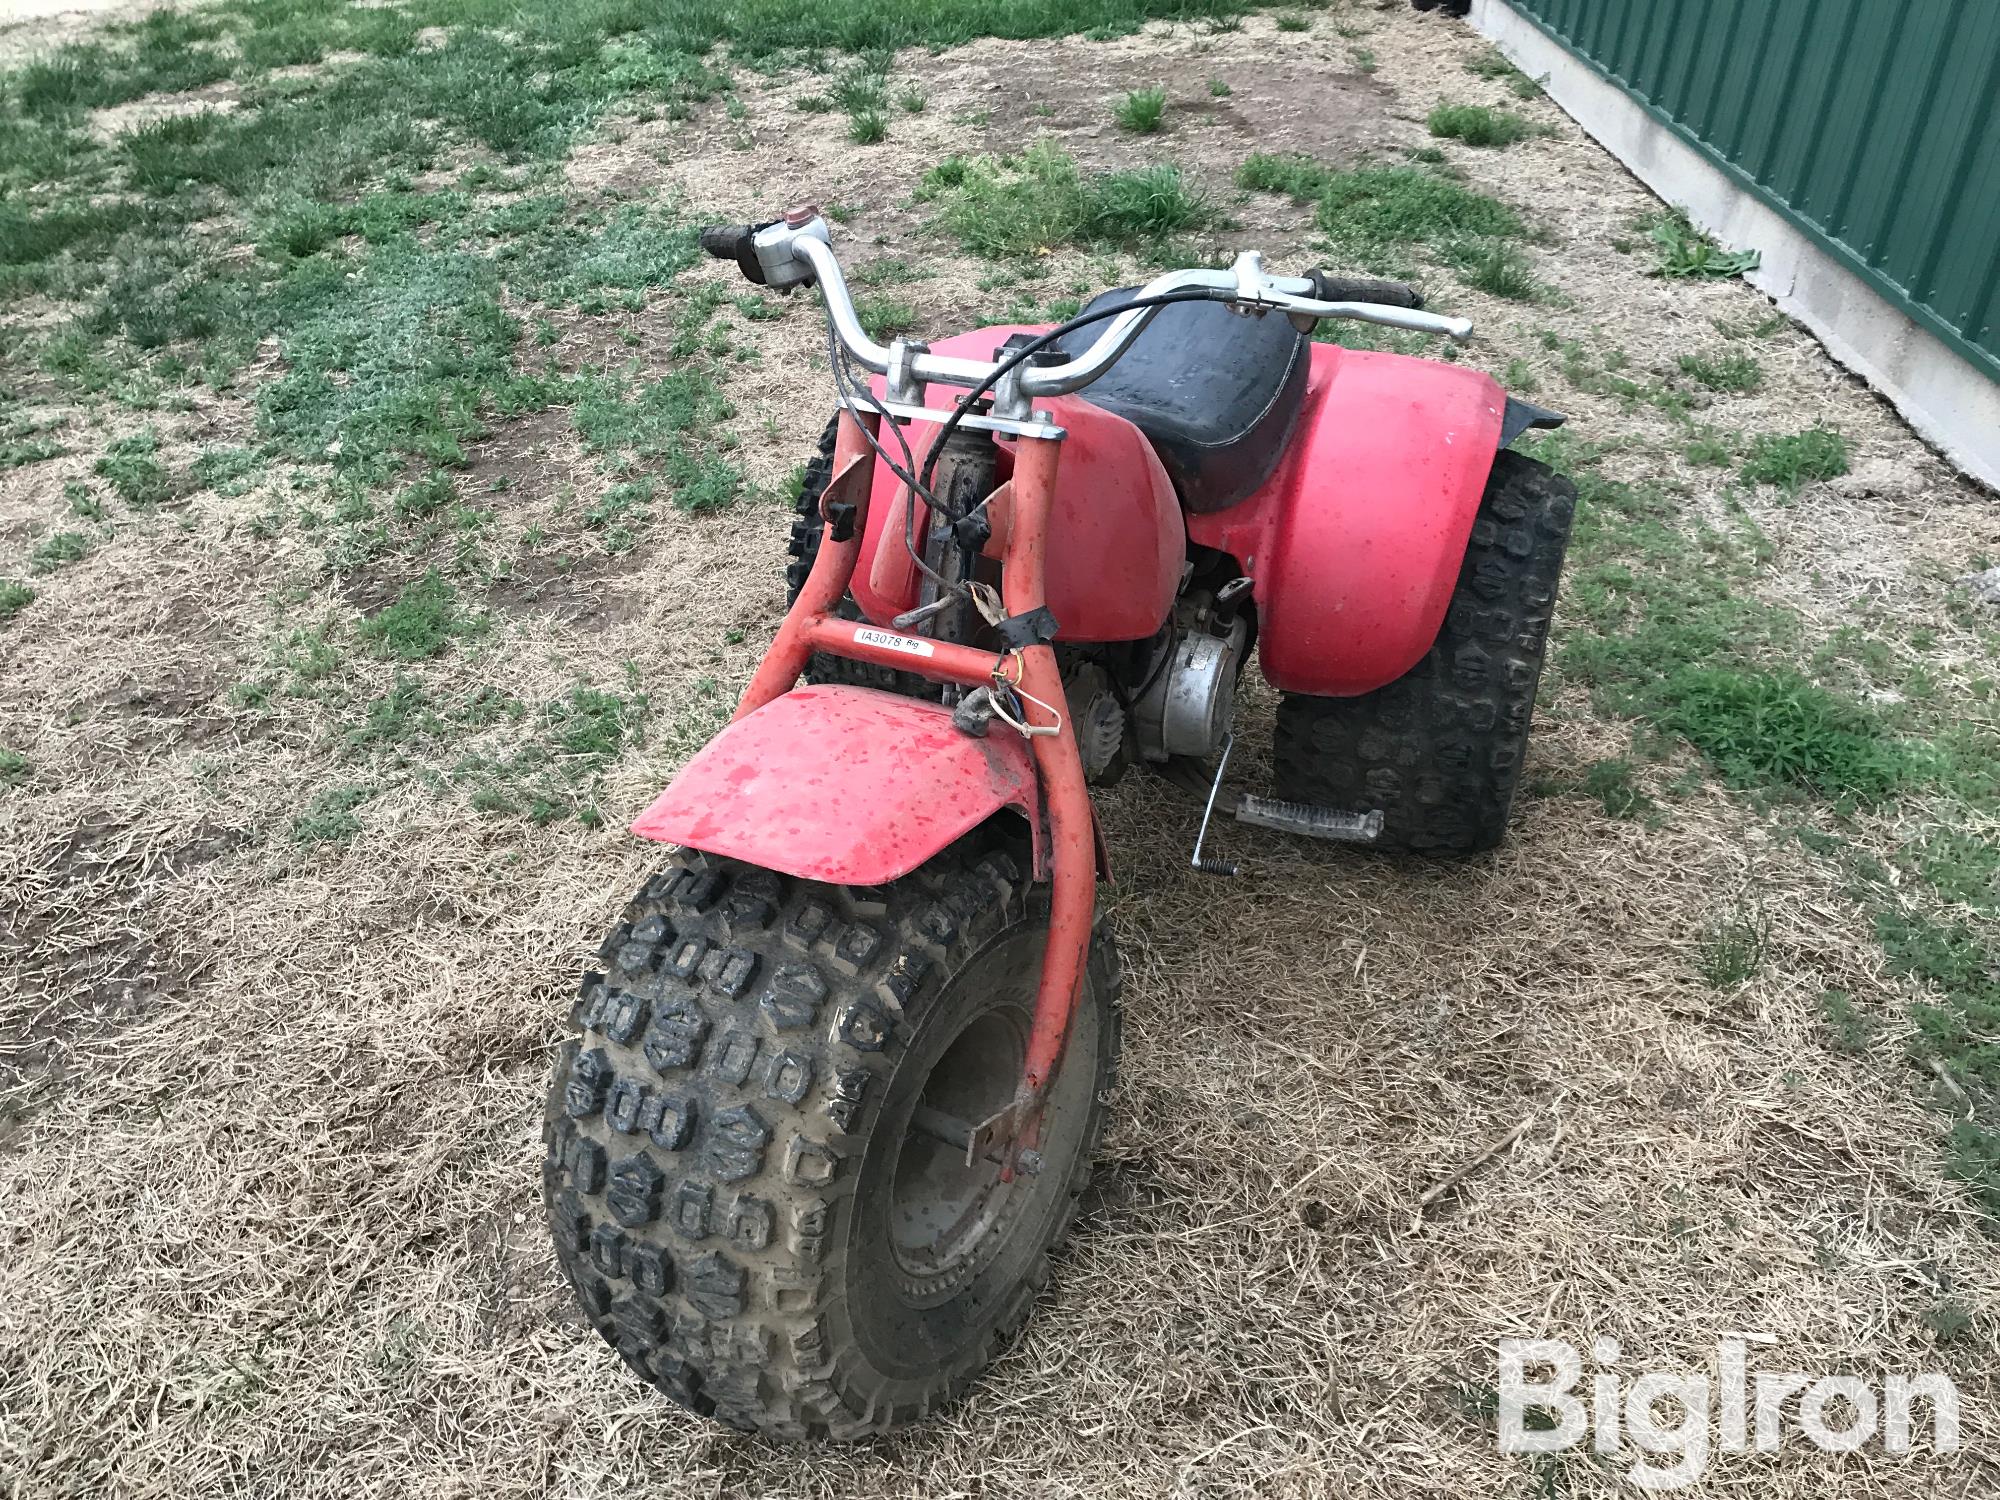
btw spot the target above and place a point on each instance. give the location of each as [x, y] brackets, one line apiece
[1328, 287]
[797, 250]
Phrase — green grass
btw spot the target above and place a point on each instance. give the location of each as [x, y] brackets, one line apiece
[1386, 206]
[1292, 173]
[1684, 251]
[1956, 972]
[1773, 725]
[1490, 64]
[398, 716]
[1218, 89]
[425, 619]
[671, 423]
[129, 467]
[860, 88]
[1795, 460]
[16, 452]
[1141, 111]
[1479, 125]
[1614, 784]
[1731, 371]
[1376, 215]
[433, 493]
[590, 727]
[1497, 268]
[225, 470]
[1669, 630]
[1706, 447]
[1848, 1027]
[1017, 208]
[310, 658]
[392, 365]
[555, 773]
[14, 767]
[1972, 1154]
[396, 348]
[618, 510]
[1948, 1321]
[1732, 945]
[867, 127]
[14, 597]
[1146, 206]
[329, 818]
[59, 550]
[1291, 20]
[300, 229]
[1946, 952]
[1963, 868]
[882, 316]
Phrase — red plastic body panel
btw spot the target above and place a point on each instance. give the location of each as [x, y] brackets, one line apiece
[1355, 542]
[843, 784]
[1116, 538]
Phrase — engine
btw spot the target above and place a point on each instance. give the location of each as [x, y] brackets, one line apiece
[1172, 697]
[1186, 706]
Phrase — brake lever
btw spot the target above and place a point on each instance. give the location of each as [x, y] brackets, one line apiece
[1410, 320]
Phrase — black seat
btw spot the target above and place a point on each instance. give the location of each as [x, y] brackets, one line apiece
[1215, 393]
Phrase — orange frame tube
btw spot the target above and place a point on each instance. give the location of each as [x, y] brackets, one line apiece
[812, 625]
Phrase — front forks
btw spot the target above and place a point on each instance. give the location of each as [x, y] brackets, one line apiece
[813, 624]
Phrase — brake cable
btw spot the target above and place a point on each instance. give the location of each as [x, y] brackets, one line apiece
[853, 391]
[1026, 351]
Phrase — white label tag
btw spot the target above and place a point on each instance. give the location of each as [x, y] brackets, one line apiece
[868, 635]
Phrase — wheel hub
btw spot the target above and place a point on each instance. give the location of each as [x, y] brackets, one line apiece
[943, 1213]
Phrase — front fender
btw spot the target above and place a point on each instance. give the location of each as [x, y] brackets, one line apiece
[843, 784]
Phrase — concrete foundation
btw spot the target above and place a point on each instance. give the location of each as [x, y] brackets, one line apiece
[1948, 400]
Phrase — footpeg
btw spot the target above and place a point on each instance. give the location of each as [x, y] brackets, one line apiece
[1313, 822]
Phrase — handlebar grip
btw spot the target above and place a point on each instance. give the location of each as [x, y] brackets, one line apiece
[1332, 288]
[724, 240]
[737, 242]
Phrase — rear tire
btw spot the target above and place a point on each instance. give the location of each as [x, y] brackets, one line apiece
[736, 1192]
[1440, 749]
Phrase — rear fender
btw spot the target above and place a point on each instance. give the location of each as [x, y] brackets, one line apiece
[1354, 544]
[846, 785]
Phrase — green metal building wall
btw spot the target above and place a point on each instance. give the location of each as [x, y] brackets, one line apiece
[1871, 124]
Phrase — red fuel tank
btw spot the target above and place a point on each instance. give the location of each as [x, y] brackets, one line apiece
[1116, 538]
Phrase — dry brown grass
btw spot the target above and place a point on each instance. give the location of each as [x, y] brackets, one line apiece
[271, 1147]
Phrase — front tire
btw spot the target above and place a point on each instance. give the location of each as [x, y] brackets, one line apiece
[737, 1191]
[1440, 749]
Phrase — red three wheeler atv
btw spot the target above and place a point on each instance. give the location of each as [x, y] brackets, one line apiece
[838, 1089]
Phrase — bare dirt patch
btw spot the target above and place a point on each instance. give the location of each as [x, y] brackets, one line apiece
[575, 592]
[31, 26]
[216, 98]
